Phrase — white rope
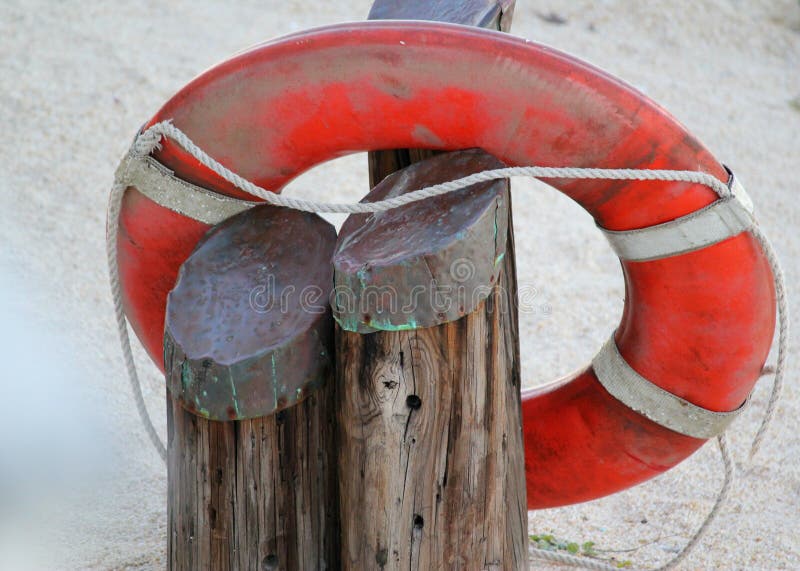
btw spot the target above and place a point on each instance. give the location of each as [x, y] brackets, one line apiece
[112, 230]
[149, 140]
[722, 496]
[783, 338]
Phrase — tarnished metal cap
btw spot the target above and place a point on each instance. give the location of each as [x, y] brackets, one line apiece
[427, 263]
[248, 326]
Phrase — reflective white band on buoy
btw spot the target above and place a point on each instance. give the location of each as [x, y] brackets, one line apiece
[653, 402]
[160, 185]
[718, 221]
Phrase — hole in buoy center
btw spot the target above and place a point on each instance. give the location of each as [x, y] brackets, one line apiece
[345, 179]
[413, 402]
[571, 288]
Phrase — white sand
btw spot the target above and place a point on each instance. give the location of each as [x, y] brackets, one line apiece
[76, 82]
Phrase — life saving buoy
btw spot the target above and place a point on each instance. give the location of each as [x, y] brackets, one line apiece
[698, 321]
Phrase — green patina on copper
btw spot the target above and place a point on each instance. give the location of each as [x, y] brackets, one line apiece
[234, 397]
[186, 375]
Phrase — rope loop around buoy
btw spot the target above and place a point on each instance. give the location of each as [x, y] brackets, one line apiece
[150, 140]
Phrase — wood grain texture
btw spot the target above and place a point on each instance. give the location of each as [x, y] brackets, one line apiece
[431, 466]
[255, 494]
[437, 481]
[257, 490]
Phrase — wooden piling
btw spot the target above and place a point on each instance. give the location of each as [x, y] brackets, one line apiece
[431, 464]
[251, 441]
[434, 361]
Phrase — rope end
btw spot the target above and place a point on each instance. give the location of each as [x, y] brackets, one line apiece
[146, 143]
[150, 139]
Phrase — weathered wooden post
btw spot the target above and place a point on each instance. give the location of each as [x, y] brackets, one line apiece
[431, 461]
[384, 396]
[251, 459]
[489, 14]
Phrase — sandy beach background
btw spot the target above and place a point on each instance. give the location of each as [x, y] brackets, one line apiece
[80, 485]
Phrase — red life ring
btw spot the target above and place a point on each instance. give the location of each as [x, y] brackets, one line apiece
[698, 325]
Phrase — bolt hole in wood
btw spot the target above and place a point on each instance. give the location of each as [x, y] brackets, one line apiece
[413, 402]
[270, 562]
[419, 521]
